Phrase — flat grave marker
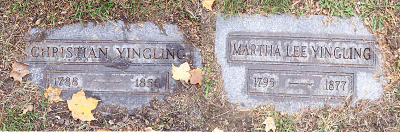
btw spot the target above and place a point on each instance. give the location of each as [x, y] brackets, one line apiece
[118, 63]
[294, 63]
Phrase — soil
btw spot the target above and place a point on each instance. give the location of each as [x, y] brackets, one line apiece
[190, 107]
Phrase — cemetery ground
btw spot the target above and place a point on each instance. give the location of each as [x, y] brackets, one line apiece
[193, 107]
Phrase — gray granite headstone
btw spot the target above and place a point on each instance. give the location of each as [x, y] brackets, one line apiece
[294, 63]
[118, 63]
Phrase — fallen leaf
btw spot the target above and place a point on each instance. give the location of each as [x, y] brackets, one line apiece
[326, 21]
[269, 124]
[181, 72]
[18, 71]
[28, 108]
[325, 11]
[53, 94]
[116, 29]
[217, 130]
[148, 129]
[196, 76]
[38, 21]
[104, 129]
[208, 4]
[81, 107]
[295, 3]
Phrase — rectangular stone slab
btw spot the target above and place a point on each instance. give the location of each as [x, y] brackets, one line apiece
[295, 63]
[120, 64]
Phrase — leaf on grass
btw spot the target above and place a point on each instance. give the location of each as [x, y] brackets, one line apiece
[28, 108]
[196, 76]
[181, 72]
[18, 71]
[269, 124]
[208, 4]
[81, 107]
[53, 94]
[217, 130]
[148, 129]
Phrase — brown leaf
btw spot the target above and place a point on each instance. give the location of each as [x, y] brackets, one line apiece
[38, 21]
[181, 72]
[196, 76]
[53, 94]
[18, 71]
[28, 108]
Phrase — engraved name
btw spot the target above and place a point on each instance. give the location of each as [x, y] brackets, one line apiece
[305, 50]
[90, 52]
[251, 48]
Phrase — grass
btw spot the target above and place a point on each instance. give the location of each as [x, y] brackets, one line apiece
[207, 85]
[15, 120]
[378, 12]
[338, 8]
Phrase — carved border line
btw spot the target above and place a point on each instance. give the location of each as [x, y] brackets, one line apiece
[167, 76]
[256, 35]
[252, 71]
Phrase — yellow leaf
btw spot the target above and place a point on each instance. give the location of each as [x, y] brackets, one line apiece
[217, 130]
[208, 4]
[196, 76]
[181, 72]
[53, 94]
[81, 107]
[269, 124]
[18, 71]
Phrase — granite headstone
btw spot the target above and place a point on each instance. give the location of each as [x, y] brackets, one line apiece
[296, 62]
[120, 64]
